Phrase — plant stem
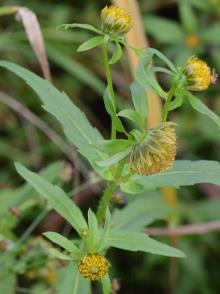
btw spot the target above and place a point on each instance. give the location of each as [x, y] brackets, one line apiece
[167, 105]
[106, 197]
[109, 80]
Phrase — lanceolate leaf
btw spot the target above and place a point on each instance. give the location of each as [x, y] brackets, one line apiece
[139, 99]
[81, 26]
[63, 242]
[134, 241]
[117, 54]
[91, 43]
[76, 126]
[56, 198]
[183, 173]
[202, 108]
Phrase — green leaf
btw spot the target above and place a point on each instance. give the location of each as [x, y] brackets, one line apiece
[114, 159]
[118, 124]
[70, 281]
[94, 234]
[177, 102]
[146, 78]
[203, 210]
[188, 16]
[134, 241]
[202, 108]
[140, 212]
[160, 55]
[117, 54]
[59, 254]
[113, 146]
[163, 30]
[80, 26]
[76, 69]
[26, 192]
[132, 115]
[139, 99]
[91, 43]
[183, 173]
[56, 198]
[104, 234]
[64, 243]
[109, 104]
[76, 126]
[106, 284]
[210, 34]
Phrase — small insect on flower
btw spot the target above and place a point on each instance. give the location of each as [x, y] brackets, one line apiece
[198, 74]
[93, 266]
[156, 153]
[115, 21]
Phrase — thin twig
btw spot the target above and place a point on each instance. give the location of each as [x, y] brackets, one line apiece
[202, 228]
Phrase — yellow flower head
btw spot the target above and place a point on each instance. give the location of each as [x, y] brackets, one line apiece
[93, 266]
[115, 21]
[156, 153]
[198, 73]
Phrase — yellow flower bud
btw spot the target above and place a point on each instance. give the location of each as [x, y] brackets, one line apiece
[156, 153]
[93, 266]
[198, 74]
[115, 21]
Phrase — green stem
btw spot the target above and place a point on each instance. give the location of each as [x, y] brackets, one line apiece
[109, 80]
[167, 105]
[106, 197]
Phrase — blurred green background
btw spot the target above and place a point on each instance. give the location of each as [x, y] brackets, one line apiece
[179, 29]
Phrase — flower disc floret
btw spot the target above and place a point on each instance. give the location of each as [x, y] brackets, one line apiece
[115, 21]
[156, 153]
[198, 74]
[93, 266]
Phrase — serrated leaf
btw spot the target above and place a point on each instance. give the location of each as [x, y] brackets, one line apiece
[117, 54]
[183, 173]
[139, 99]
[90, 44]
[134, 241]
[202, 108]
[59, 105]
[56, 198]
[63, 242]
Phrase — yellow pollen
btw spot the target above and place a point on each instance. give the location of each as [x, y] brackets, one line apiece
[93, 266]
[115, 21]
[198, 74]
